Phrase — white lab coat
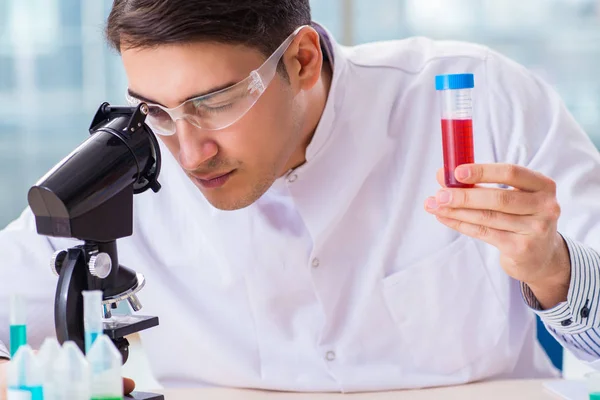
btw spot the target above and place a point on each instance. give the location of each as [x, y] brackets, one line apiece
[337, 279]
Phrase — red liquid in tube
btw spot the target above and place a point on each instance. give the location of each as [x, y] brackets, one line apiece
[457, 142]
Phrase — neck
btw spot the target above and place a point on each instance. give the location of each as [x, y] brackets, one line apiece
[316, 100]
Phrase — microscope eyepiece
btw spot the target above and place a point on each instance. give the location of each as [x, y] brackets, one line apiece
[89, 194]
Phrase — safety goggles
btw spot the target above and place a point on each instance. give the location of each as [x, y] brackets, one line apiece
[222, 108]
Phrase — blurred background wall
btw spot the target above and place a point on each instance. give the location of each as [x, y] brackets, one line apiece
[55, 68]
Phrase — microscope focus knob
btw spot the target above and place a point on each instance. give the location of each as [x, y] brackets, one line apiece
[57, 259]
[100, 265]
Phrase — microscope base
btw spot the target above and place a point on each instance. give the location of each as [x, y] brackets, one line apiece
[144, 396]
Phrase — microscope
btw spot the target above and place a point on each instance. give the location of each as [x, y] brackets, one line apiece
[89, 196]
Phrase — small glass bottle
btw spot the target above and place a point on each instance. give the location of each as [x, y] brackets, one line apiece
[106, 370]
[47, 357]
[71, 374]
[25, 376]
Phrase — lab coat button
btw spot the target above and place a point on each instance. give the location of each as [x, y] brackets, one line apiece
[315, 262]
[292, 178]
[330, 356]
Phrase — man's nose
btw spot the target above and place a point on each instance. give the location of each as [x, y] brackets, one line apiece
[195, 145]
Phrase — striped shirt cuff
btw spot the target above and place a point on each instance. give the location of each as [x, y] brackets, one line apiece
[581, 310]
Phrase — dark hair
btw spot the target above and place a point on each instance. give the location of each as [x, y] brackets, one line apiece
[261, 24]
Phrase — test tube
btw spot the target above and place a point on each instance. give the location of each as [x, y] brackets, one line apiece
[47, 357]
[457, 123]
[71, 376]
[92, 317]
[24, 376]
[106, 370]
[18, 327]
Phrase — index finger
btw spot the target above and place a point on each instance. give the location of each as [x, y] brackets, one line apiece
[507, 174]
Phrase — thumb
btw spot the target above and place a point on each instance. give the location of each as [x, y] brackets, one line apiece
[128, 385]
[3, 378]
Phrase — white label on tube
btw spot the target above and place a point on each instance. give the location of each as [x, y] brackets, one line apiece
[92, 311]
[18, 311]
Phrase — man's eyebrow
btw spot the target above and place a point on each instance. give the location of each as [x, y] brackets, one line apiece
[142, 98]
[212, 90]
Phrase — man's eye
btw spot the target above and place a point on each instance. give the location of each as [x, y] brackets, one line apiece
[156, 112]
[213, 109]
[221, 107]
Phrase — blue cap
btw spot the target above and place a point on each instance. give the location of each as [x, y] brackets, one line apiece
[454, 81]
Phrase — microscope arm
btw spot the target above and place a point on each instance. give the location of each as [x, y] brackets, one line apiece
[68, 303]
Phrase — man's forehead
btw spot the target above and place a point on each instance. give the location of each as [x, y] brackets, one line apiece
[176, 73]
[213, 90]
[205, 51]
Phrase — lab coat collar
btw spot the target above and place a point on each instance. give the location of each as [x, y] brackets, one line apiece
[326, 124]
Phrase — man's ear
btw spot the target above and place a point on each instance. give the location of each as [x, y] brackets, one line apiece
[305, 59]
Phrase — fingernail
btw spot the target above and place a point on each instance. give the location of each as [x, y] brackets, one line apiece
[431, 203]
[462, 173]
[443, 197]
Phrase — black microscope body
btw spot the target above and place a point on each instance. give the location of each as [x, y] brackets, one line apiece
[89, 196]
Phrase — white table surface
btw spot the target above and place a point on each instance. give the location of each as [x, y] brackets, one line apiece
[495, 390]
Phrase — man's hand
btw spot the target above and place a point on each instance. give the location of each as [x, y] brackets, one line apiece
[3, 378]
[521, 222]
[128, 384]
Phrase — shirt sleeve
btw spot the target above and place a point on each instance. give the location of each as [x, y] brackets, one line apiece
[530, 125]
[575, 323]
[25, 270]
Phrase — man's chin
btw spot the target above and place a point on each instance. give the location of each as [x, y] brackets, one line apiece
[227, 204]
[231, 200]
[226, 200]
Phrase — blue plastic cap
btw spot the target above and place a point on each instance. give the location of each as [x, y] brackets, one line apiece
[454, 81]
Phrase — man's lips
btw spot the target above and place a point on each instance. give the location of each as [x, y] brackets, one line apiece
[212, 181]
[211, 176]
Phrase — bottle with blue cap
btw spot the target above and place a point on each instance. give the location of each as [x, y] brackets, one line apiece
[457, 123]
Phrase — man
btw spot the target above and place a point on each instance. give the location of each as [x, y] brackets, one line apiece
[301, 241]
